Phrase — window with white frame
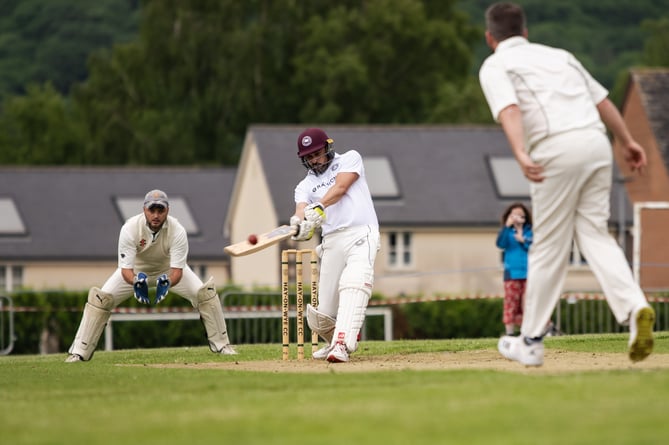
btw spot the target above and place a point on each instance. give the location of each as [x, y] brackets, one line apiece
[11, 277]
[399, 250]
[11, 222]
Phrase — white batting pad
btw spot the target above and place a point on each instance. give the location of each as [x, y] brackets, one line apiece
[320, 323]
[350, 316]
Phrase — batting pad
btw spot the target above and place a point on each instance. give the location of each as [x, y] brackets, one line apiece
[320, 323]
[350, 316]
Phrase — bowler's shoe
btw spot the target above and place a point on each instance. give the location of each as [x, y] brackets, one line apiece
[641, 333]
[522, 349]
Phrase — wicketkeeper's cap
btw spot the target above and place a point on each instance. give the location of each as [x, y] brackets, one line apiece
[311, 140]
[156, 197]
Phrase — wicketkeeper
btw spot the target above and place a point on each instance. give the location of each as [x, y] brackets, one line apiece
[334, 196]
[152, 248]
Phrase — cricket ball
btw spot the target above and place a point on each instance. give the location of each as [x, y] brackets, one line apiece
[253, 239]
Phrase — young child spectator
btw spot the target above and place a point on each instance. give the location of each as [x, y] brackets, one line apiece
[514, 238]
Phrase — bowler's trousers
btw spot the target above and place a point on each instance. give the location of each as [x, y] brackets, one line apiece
[572, 204]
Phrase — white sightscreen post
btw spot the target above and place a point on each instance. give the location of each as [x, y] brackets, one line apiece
[636, 230]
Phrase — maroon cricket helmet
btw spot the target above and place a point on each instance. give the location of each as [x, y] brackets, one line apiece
[311, 140]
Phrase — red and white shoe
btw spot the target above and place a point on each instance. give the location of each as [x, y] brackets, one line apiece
[338, 354]
[322, 353]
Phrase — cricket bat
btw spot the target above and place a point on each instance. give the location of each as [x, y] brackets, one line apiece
[264, 241]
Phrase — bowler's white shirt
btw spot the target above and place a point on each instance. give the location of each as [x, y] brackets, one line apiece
[553, 90]
[355, 208]
[142, 250]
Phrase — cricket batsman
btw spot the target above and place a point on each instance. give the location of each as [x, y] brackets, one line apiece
[334, 196]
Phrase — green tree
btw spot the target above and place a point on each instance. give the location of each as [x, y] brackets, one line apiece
[40, 128]
[203, 71]
[383, 62]
[656, 47]
[49, 40]
[606, 35]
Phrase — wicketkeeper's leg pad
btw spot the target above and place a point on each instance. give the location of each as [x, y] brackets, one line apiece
[96, 315]
[320, 323]
[211, 314]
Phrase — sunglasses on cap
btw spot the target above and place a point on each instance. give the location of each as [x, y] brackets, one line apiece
[157, 207]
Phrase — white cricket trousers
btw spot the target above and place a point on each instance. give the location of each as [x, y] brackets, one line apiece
[347, 258]
[187, 288]
[572, 203]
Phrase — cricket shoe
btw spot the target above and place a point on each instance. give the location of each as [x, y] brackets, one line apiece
[227, 350]
[322, 353]
[641, 333]
[73, 358]
[522, 350]
[338, 354]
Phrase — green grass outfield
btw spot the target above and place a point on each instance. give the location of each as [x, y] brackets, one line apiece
[122, 397]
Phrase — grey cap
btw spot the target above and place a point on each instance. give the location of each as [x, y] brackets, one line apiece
[156, 197]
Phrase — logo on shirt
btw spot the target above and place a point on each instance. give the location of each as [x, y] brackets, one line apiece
[142, 243]
[325, 184]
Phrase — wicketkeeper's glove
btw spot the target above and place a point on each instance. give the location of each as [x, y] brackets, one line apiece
[315, 213]
[141, 288]
[162, 287]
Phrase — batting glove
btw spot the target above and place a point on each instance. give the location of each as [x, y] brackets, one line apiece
[295, 224]
[305, 232]
[315, 213]
[162, 286]
[141, 288]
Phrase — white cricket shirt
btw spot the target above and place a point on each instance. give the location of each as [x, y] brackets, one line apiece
[355, 208]
[142, 250]
[552, 89]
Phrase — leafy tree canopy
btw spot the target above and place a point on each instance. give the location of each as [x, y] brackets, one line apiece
[179, 81]
[49, 40]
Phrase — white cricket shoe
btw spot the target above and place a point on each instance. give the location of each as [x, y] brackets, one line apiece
[227, 350]
[517, 349]
[641, 333]
[322, 353]
[338, 354]
[73, 358]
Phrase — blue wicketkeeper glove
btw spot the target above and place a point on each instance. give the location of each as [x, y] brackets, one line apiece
[162, 286]
[141, 288]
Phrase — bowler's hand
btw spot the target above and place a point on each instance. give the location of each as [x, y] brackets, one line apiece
[635, 156]
[532, 171]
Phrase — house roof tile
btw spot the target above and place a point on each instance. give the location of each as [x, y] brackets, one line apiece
[69, 212]
[442, 171]
[654, 88]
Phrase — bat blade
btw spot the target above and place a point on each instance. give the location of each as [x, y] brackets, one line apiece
[265, 240]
